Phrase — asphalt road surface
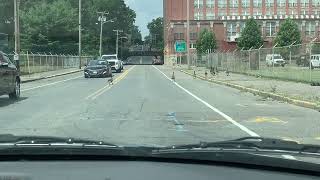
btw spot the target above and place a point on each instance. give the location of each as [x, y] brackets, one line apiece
[144, 106]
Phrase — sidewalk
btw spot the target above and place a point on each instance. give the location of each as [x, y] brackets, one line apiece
[287, 89]
[49, 74]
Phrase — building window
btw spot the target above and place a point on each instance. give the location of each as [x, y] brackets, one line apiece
[231, 30]
[198, 16]
[193, 46]
[269, 3]
[304, 3]
[270, 29]
[233, 3]
[281, 11]
[257, 12]
[222, 12]
[245, 3]
[245, 12]
[316, 3]
[310, 28]
[281, 3]
[257, 3]
[198, 4]
[193, 35]
[293, 3]
[210, 3]
[178, 36]
[222, 3]
[210, 16]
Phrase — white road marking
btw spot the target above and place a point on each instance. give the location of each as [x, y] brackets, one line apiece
[289, 157]
[243, 128]
[50, 84]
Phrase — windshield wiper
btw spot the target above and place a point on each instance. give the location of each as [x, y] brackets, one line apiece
[255, 143]
[9, 139]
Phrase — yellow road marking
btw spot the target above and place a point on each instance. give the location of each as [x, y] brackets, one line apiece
[268, 119]
[290, 139]
[99, 92]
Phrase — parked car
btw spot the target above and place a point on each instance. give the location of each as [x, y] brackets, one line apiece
[115, 63]
[98, 68]
[315, 61]
[275, 60]
[9, 78]
[156, 61]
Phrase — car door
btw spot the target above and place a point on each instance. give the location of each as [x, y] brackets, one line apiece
[4, 75]
[12, 72]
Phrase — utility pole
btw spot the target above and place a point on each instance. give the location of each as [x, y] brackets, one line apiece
[122, 45]
[102, 18]
[188, 33]
[79, 34]
[16, 33]
[117, 41]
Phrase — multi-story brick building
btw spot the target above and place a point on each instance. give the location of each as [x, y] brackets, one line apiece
[227, 18]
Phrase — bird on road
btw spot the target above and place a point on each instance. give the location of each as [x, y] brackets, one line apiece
[194, 74]
[110, 81]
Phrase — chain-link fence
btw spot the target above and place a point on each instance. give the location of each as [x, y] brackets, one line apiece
[295, 63]
[35, 63]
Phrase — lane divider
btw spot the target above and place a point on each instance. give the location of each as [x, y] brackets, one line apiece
[228, 118]
[50, 84]
[99, 92]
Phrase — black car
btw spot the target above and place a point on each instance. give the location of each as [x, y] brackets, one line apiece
[9, 78]
[98, 68]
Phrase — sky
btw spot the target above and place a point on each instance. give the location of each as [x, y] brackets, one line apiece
[146, 10]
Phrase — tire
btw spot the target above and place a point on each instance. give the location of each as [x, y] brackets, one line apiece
[312, 67]
[118, 71]
[282, 65]
[15, 95]
[85, 76]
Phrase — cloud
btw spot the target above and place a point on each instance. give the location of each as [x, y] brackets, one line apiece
[146, 10]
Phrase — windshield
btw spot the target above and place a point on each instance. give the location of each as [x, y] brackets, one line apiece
[97, 62]
[277, 57]
[207, 81]
[109, 57]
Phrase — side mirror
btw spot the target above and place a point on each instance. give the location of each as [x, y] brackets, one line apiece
[4, 65]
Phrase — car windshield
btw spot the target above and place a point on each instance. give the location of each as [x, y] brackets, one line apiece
[109, 57]
[97, 63]
[230, 69]
[277, 57]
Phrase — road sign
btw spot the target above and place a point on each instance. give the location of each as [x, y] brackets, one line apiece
[181, 46]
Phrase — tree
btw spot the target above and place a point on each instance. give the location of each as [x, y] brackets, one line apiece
[155, 37]
[206, 41]
[288, 34]
[52, 25]
[250, 36]
[136, 36]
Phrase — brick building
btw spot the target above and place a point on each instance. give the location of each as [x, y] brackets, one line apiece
[227, 18]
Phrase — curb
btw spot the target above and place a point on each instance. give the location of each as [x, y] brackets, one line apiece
[274, 96]
[51, 76]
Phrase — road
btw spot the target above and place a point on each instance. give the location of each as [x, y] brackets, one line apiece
[145, 107]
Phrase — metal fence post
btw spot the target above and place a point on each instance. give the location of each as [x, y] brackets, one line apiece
[28, 62]
[47, 67]
[40, 63]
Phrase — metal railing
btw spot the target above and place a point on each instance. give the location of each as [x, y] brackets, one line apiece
[36, 63]
[297, 65]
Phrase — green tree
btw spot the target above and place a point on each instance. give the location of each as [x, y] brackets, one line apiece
[288, 34]
[136, 36]
[250, 36]
[50, 27]
[206, 41]
[155, 37]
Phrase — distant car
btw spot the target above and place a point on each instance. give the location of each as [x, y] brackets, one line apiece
[115, 63]
[98, 68]
[9, 78]
[275, 60]
[315, 61]
[156, 61]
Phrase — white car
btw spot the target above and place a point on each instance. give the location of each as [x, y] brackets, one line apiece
[275, 60]
[315, 61]
[115, 63]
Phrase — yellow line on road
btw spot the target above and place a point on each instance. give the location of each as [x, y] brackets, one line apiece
[99, 92]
